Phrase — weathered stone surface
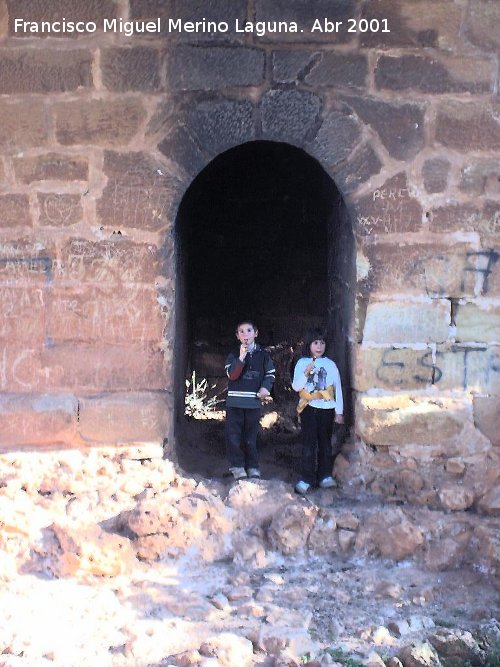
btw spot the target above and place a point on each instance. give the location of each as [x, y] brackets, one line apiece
[292, 66]
[392, 368]
[466, 126]
[478, 174]
[336, 138]
[99, 122]
[23, 125]
[432, 269]
[15, 211]
[128, 417]
[180, 147]
[400, 126]
[43, 71]
[139, 192]
[255, 504]
[490, 502]
[439, 74]
[360, 166]
[419, 654]
[289, 115]
[57, 210]
[136, 68]
[105, 314]
[36, 11]
[23, 314]
[51, 167]
[480, 25]
[323, 536]
[399, 322]
[211, 68]
[422, 24]
[229, 649]
[332, 70]
[109, 262]
[456, 217]
[48, 419]
[456, 497]
[487, 417]
[477, 323]
[435, 174]
[25, 261]
[390, 209]
[289, 530]
[468, 368]
[456, 646]
[444, 554]
[399, 419]
[390, 534]
[220, 125]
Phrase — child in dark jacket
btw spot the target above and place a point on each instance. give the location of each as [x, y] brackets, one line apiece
[251, 376]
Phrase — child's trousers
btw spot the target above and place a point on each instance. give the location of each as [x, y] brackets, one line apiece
[242, 426]
[317, 457]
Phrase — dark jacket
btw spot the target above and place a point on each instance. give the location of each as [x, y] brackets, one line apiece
[247, 377]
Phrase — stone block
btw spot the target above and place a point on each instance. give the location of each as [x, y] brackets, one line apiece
[212, 67]
[23, 314]
[109, 262]
[338, 135]
[99, 122]
[105, 314]
[424, 23]
[390, 209]
[122, 418]
[23, 125]
[400, 126]
[490, 502]
[455, 217]
[487, 417]
[47, 420]
[470, 368]
[15, 211]
[138, 193]
[136, 68]
[390, 534]
[180, 147]
[399, 420]
[333, 70]
[51, 167]
[435, 75]
[435, 174]
[221, 124]
[25, 262]
[392, 368]
[361, 165]
[468, 126]
[59, 210]
[477, 174]
[305, 14]
[74, 10]
[4, 20]
[481, 24]
[422, 268]
[289, 115]
[44, 71]
[400, 322]
[478, 324]
[456, 498]
[292, 66]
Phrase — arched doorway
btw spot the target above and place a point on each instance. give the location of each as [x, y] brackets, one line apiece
[262, 233]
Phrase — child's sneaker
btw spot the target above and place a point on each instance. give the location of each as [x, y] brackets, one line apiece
[238, 473]
[302, 487]
[328, 483]
[253, 473]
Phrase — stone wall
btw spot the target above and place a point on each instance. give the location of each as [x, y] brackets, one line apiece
[102, 134]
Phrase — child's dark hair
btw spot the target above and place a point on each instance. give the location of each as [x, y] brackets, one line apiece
[250, 322]
[310, 336]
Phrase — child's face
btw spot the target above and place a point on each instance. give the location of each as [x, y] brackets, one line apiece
[318, 348]
[246, 334]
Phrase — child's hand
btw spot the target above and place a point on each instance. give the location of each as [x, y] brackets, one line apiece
[339, 419]
[243, 351]
[309, 368]
[263, 392]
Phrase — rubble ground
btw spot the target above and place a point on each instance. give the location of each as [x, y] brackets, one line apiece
[112, 558]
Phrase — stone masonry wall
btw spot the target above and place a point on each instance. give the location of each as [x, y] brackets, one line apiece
[102, 134]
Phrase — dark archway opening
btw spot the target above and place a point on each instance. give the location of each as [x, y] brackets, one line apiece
[262, 233]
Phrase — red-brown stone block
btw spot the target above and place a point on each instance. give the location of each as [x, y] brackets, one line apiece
[403, 322]
[468, 126]
[123, 418]
[481, 24]
[58, 210]
[43, 71]
[51, 167]
[26, 262]
[15, 211]
[109, 262]
[105, 314]
[47, 420]
[23, 125]
[136, 68]
[98, 122]
[390, 209]
[23, 314]
[139, 194]
[392, 368]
